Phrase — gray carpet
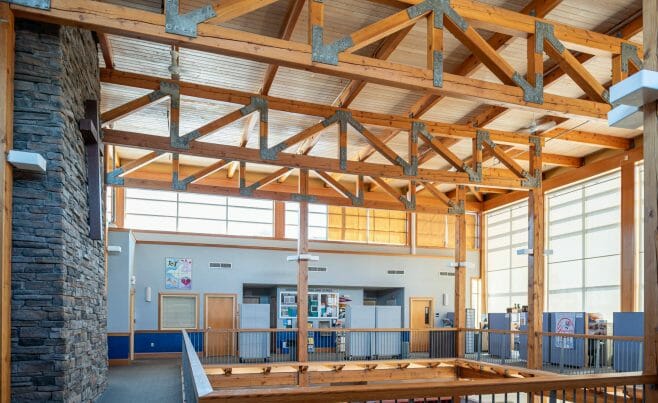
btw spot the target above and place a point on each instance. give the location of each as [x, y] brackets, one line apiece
[144, 381]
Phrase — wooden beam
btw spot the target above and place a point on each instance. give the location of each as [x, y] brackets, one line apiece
[535, 263]
[106, 49]
[279, 220]
[335, 184]
[231, 9]
[390, 190]
[383, 52]
[131, 107]
[211, 150]
[627, 276]
[290, 22]
[460, 273]
[628, 29]
[120, 207]
[452, 131]
[140, 162]
[216, 39]
[302, 276]
[7, 43]
[650, 39]
[472, 63]
[582, 137]
[203, 173]
[573, 175]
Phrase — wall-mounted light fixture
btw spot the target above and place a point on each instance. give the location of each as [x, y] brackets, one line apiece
[147, 294]
[114, 249]
[27, 161]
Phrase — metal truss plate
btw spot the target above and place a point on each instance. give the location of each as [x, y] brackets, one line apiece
[185, 24]
[457, 208]
[327, 53]
[439, 8]
[546, 32]
[629, 53]
[531, 94]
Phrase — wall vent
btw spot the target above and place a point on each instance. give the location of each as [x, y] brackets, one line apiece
[317, 268]
[395, 272]
[219, 265]
[446, 273]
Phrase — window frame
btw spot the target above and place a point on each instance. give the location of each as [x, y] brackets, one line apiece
[161, 305]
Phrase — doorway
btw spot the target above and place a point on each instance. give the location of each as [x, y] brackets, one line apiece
[421, 314]
[220, 323]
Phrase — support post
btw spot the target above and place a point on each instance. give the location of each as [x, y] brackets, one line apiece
[535, 261]
[279, 220]
[460, 271]
[628, 237]
[302, 275]
[650, 42]
[7, 43]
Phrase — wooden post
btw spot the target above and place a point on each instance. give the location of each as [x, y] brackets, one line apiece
[279, 220]
[650, 42]
[535, 262]
[6, 143]
[460, 271]
[627, 237]
[302, 275]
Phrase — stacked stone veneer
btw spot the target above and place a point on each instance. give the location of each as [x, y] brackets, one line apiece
[59, 347]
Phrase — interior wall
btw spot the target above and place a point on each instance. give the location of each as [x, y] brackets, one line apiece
[264, 262]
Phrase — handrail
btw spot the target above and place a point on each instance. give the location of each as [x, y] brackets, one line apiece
[592, 336]
[452, 388]
[193, 373]
[333, 329]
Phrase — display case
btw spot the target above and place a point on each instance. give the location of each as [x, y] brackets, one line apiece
[321, 304]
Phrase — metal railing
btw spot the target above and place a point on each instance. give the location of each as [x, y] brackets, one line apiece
[563, 354]
[233, 346]
[195, 381]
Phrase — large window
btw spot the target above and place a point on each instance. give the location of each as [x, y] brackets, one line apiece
[438, 230]
[189, 212]
[639, 219]
[584, 235]
[179, 311]
[507, 272]
[335, 223]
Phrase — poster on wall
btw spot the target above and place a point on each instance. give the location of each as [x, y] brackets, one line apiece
[178, 273]
[565, 322]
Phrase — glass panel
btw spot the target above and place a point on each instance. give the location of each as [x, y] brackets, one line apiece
[178, 312]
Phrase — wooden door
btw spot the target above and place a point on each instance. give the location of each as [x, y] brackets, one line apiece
[421, 317]
[220, 317]
[131, 324]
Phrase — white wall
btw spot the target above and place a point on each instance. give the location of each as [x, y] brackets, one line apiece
[269, 267]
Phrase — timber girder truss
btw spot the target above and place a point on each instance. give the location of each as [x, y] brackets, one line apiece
[197, 29]
[408, 169]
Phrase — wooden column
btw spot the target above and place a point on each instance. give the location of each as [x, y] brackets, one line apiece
[650, 42]
[6, 143]
[302, 275]
[535, 263]
[460, 271]
[628, 237]
[279, 220]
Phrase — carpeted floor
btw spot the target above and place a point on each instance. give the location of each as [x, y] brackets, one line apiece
[144, 381]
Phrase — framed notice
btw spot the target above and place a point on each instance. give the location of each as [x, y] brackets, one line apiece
[565, 322]
[178, 273]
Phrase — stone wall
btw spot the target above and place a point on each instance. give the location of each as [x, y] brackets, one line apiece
[59, 347]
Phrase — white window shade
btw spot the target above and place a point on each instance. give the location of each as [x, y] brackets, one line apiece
[178, 312]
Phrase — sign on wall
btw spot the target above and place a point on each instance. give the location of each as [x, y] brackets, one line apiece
[565, 322]
[178, 273]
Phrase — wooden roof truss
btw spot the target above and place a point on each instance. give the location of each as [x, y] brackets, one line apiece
[567, 46]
